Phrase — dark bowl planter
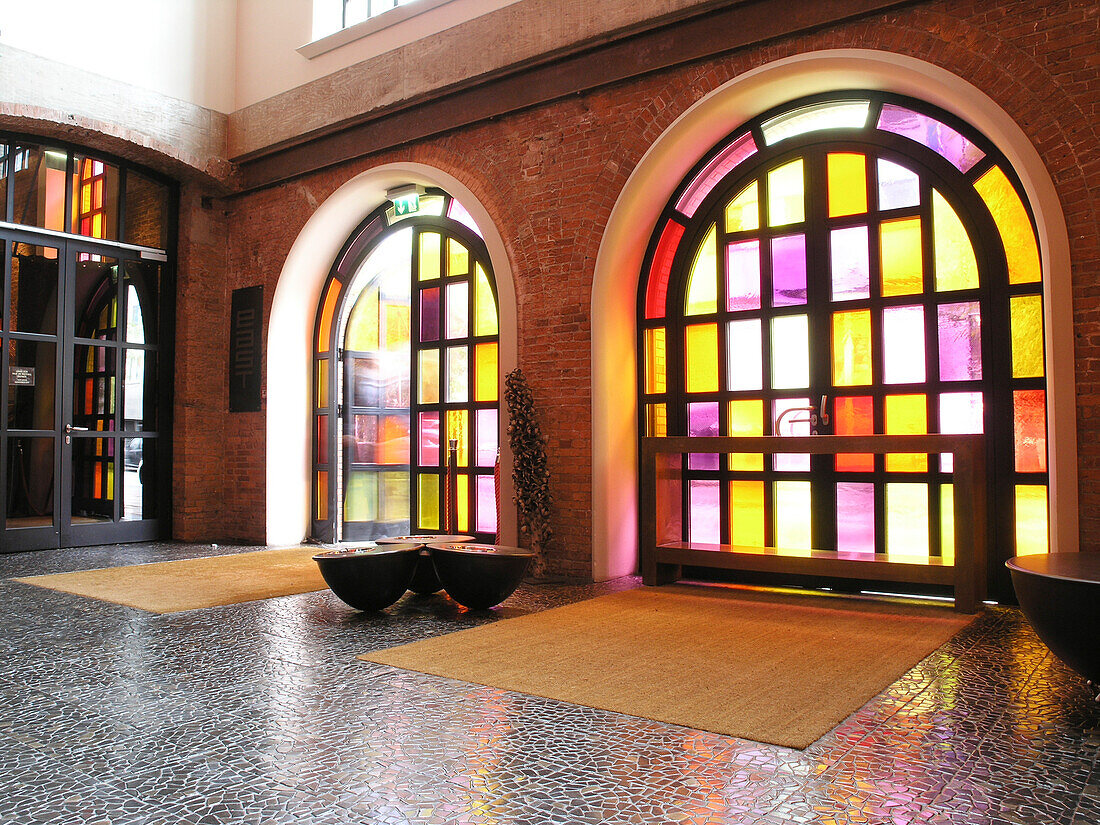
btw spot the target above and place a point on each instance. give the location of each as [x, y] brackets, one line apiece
[1060, 595]
[424, 580]
[479, 576]
[369, 578]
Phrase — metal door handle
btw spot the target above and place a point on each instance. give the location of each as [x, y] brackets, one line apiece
[69, 428]
[824, 415]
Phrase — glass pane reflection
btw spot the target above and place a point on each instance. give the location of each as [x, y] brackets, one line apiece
[94, 371]
[139, 408]
[93, 479]
[34, 279]
[142, 297]
[29, 482]
[96, 297]
[139, 479]
[31, 385]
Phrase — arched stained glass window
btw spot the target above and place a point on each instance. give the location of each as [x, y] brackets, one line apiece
[406, 368]
[873, 259]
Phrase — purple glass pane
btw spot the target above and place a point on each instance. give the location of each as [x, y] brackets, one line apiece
[903, 344]
[789, 270]
[429, 314]
[850, 266]
[855, 517]
[935, 135]
[960, 412]
[960, 333]
[703, 421]
[486, 505]
[797, 423]
[486, 449]
[726, 160]
[704, 523]
[743, 275]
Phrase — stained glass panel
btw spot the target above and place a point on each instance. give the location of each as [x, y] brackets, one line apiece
[322, 384]
[486, 505]
[955, 264]
[430, 243]
[1013, 223]
[744, 365]
[703, 421]
[847, 176]
[852, 348]
[850, 266]
[901, 257]
[463, 499]
[361, 498]
[702, 290]
[656, 291]
[322, 495]
[655, 360]
[656, 420]
[485, 305]
[898, 187]
[786, 198]
[906, 415]
[429, 439]
[960, 338]
[855, 517]
[743, 275]
[746, 418]
[1030, 430]
[743, 212]
[907, 520]
[458, 375]
[458, 430]
[832, 114]
[790, 352]
[428, 504]
[854, 415]
[960, 413]
[701, 358]
[937, 136]
[364, 324]
[903, 344]
[947, 523]
[488, 424]
[485, 372]
[1032, 534]
[429, 314]
[714, 172]
[458, 258]
[704, 516]
[747, 513]
[428, 371]
[322, 439]
[793, 515]
[324, 328]
[796, 423]
[789, 270]
[458, 309]
[1027, 336]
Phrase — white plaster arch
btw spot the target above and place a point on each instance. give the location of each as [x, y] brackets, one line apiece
[668, 161]
[290, 336]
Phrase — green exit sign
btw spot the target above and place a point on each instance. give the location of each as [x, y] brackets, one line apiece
[407, 204]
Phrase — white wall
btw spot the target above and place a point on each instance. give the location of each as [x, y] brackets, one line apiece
[185, 49]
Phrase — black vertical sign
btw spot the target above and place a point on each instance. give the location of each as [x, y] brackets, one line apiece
[245, 349]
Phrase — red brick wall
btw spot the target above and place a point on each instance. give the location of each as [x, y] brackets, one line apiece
[549, 178]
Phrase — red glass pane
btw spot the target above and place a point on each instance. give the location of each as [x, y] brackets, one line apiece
[1030, 420]
[656, 291]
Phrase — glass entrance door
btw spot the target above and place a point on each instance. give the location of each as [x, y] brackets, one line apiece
[79, 444]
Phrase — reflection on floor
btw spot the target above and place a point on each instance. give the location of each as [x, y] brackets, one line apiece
[260, 713]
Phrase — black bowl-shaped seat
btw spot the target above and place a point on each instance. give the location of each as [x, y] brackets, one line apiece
[369, 578]
[479, 576]
[424, 580]
[1060, 595]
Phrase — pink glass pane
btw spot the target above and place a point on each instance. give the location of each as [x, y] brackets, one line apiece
[656, 290]
[704, 525]
[486, 505]
[458, 309]
[960, 413]
[322, 439]
[960, 333]
[903, 344]
[935, 135]
[429, 314]
[797, 423]
[743, 275]
[457, 212]
[850, 265]
[703, 421]
[855, 517]
[789, 270]
[429, 439]
[1030, 418]
[486, 451]
[711, 174]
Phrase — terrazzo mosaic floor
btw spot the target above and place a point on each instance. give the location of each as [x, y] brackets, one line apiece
[260, 713]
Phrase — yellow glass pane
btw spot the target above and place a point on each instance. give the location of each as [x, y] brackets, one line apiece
[852, 348]
[743, 212]
[429, 376]
[322, 496]
[458, 258]
[947, 523]
[907, 520]
[485, 372]
[430, 244]
[395, 496]
[901, 258]
[1021, 249]
[906, 415]
[702, 289]
[485, 305]
[847, 184]
[110, 481]
[1031, 520]
[397, 327]
[463, 504]
[746, 418]
[428, 504]
[362, 331]
[458, 429]
[956, 266]
[324, 328]
[361, 498]
[322, 383]
[786, 200]
[655, 372]
[747, 513]
[656, 420]
[1026, 312]
[701, 358]
[792, 516]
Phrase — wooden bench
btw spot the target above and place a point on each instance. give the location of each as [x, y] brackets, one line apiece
[664, 553]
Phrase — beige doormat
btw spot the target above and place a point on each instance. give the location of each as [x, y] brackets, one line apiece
[188, 584]
[770, 667]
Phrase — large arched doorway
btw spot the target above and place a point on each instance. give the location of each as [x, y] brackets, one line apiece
[869, 264]
[407, 372]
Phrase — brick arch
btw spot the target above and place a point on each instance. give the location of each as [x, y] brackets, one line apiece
[667, 162]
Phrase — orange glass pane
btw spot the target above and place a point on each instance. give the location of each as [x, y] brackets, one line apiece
[463, 486]
[1026, 312]
[956, 266]
[1029, 415]
[852, 348]
[743, 212]
[485, 305]
[847, 184]
[656, 420]
[324, 327]
[854, 415]
[430, 244]
[747, 513]
[1032, 535]
[702, 289]
[322, 496]
[746, 418]
[792, 516]
[655, 360]
[458, 429]
[485, 372]
[458, 258]
[1021, 249]
[701, 358]
[428, 501]
[786, 194]
[393, 440]
[906, 415]
[907, 520]
[901, 258]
